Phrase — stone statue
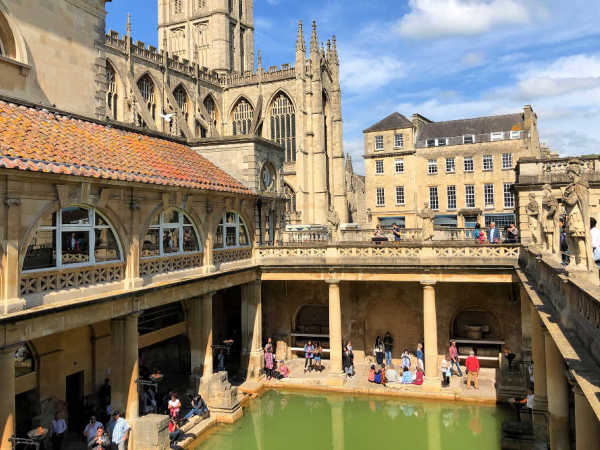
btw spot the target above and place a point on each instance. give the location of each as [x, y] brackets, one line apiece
[576, 200]
[533, 216]
[427, 216]
[550, 214]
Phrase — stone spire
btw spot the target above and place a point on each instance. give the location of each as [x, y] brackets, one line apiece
[259, 60]
[300, 43]
[314, 40]
[129, 25]
[334, 53]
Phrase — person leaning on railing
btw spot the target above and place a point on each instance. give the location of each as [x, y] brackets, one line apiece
[378, 236]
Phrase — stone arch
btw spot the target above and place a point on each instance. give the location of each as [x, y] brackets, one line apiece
[284, 91]
[282, 123]
[115, 98]
[217, 113]
[220, 213]
[12, 44]
[306, 314]
[241, 125]
[472, 316]
[158, 98]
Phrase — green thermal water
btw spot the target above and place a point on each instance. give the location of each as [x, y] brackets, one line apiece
[292, 421]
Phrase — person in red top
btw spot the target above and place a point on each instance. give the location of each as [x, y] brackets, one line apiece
[472, 365]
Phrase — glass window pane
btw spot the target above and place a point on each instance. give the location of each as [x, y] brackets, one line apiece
[243, 235]
[106, 247]
[170, 240]
[41, 252]
[186, 219]
[190, 240]
[73, 215]
[100, 220]
[75, 247]
[151, 246]
[171, 216]
[230, 237]
[230, 217]
[219, 237]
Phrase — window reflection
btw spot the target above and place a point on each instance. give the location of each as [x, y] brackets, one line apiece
[231, 232]
[170, 232]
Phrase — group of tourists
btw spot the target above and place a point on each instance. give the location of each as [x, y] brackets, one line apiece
[312, 357]
[382, 373]
[272, 369]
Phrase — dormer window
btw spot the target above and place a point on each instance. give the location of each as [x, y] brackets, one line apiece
[442, 141]
[515, 134]
[430, 142]
[468, 139]
[497, 135]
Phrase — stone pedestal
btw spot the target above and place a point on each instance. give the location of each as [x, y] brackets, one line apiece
[220, 397]
[150, 432]
[558, 397]
[587, 427]
[335, 328]
[7, 396]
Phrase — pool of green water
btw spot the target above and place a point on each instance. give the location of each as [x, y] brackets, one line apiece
[299, 421]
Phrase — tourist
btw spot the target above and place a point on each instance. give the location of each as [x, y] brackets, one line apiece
[392, 375]
[512, 234]
[520, 403]
[378, 350]
[317, 357]
[396, 232]
[418, 377]
[383, 375]
[284, 370]
[90, 429]
[174, 405]
[563, 244]
[120, 434]
[530, 372]
[378, 236]
[493, 234]
[269, 363]
[595, 241]
[198, 407]
[446, 372]
[405, 358]
[269, 345]
[371, 376]
[175, 434]
[57, 430]
[349, 345]
[149, 400]
[420, 356]
[308, 354]
[509, 356]
[472, 365]
[388, 344]
[377, 379]
[407, 376]
[478, 234]
[221, 361]
[454, 361]
[348, 361]
[100, 440]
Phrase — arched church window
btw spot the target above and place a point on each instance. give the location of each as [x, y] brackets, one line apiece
[283, 125]
[182, 100]
[171, 232]
[242, 117]
[211, 109]
[111, 92]
[146, 87]
[231, 232]
[75, 235]
[290, 197]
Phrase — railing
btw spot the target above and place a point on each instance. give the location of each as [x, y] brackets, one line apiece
[288, 237]
[554, 170]
[65, 278]
[231, 254]
[363, 235]
[165, 264]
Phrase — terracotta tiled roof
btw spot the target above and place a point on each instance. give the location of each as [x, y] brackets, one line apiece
[37, 140]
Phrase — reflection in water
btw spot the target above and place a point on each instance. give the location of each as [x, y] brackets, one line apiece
[308, 421]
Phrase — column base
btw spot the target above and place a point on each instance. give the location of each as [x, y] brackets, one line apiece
[432, 384]
[134, 283]
[210, 269]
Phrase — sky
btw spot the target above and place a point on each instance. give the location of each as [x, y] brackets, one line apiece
[444, 59]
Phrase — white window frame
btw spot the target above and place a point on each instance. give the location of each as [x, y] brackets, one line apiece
[451, 194]
[180, 225]
[90, 227]
[398, 137]
[400, 195]
[438, 142]
[470, 196]
[488, 196]
[399, 164]
[509, 195]
[515, 134]
[487, 163]
[432, 168]
[496, 136]
[472, 136]
[468, 158]
[507, 161]
[430, 141]
[452, 167]
[436, 198]
[379, 165]
[237, 224]
[379, 143]
[379, 191]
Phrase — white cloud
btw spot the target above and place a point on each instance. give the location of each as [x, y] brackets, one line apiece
[364, 73]
[473, 59]
[442, 18]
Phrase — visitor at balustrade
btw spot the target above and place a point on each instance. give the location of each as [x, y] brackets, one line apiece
[148, 400]
[595, 240]
[308, 354]
[418, 379]
[198, 407]
[446, 371]
[472, 365]
[378, 236]
[509, 356]
[407, 376]
[317, 357]
[519, 403]
[454, 361]
[405, 358]
[478, 234]
[563, 244]
[420, 357]
[120, 433]
[57, 431]
[174, 405]
[100, 440]
[378, 350]
[396, 232]
[512, 234]
[388, 345]
[493, 234]
[269, 362]
[348, 361]
[90, 429]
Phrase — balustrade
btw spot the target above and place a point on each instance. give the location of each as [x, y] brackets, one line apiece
[153, 266]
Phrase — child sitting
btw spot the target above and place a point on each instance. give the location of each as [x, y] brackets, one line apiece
[407, 377]
[418, 377]
[372, 374]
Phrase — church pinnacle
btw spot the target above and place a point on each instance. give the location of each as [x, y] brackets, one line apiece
[300, 44]
[314, 40]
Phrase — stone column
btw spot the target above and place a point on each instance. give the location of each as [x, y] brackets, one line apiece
[540, 404]
[252, 351]
[207, 334]
[10, 294]
[195, 333]
[525, 325]
[132, 269]
[587, 427]
[117, 370]
[7, 396]
[335, 327]
[430, 334]
[558, 397]
[125, 365]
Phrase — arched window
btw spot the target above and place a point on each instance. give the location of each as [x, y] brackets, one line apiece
[24, 362]
[290, 196]
[72, 236]
[182, 100]
[146, 87]
[211, 109]
[231, 232]
[112, 97]
[283, 125]
[171, 232]
[242, 117]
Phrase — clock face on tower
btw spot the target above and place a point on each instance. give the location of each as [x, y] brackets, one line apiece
[267, 176]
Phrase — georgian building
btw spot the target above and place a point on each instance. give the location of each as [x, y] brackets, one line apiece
[463, 170]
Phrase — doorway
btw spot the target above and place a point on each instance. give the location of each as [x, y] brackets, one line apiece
[74, 397]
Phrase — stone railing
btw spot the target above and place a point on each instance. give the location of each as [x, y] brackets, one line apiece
[364, 235]
[165, 264]
[289, 237]
[554, 170]
[222, 256]
[67, 278]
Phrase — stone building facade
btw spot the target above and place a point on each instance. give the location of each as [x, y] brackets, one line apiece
[463, 170]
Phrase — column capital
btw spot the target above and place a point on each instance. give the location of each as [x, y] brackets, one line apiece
[331, 281]
[428, 283]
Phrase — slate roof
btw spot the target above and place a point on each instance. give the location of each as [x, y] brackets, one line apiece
[37, 140]
[392, 122]
[477, 125]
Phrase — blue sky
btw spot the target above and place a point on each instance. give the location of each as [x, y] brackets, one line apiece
[445, 59]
